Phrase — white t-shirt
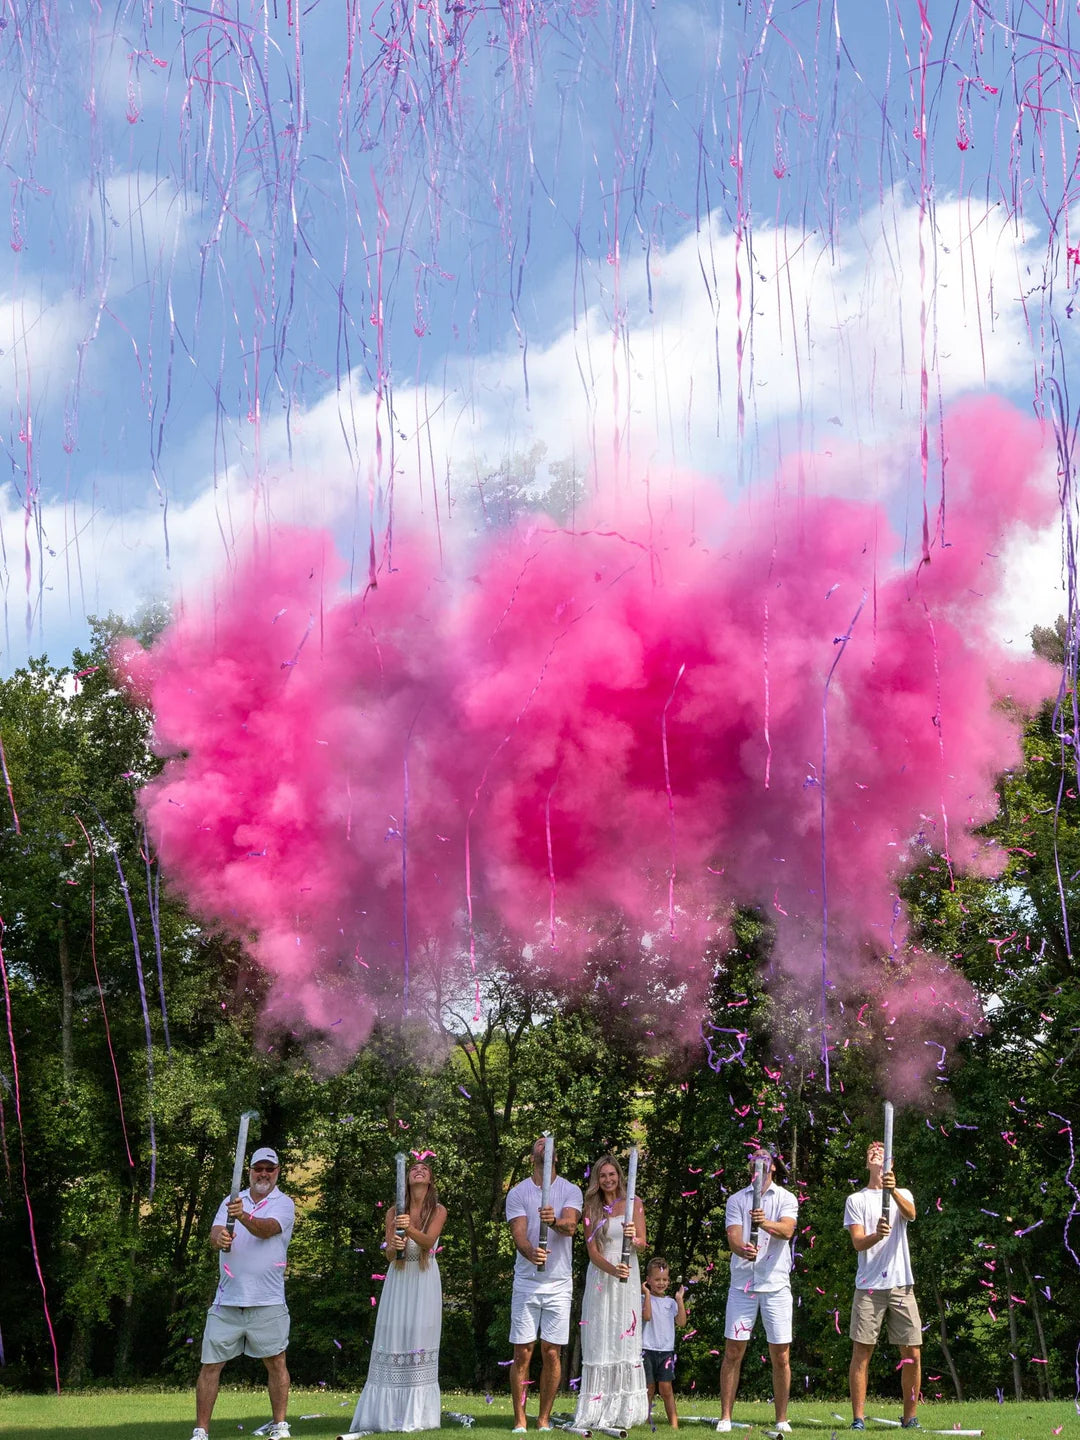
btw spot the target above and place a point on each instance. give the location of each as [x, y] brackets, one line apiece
[772, 1268]
[887, 1264]
[659, 1332]
[524, 1199]
[253, 1271]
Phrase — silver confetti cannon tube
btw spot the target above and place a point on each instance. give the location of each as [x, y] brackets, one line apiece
[887, 1158]
[760, 1165]
[545, 1190]
[628, 1217]
[238, 1162]
[401, 1195]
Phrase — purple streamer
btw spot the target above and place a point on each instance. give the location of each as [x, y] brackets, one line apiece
[3, 1128]
[142, 997]
[101, 992]
[10, 791]
[153, 900]
[715, 1061]
[405, 875]
[1074, 1210]
[22, 1152]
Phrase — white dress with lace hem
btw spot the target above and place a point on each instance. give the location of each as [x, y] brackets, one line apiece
[402, 1389]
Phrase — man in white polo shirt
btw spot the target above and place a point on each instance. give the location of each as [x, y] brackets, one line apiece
[884, 1286]
[540, 1303]
[249, 1315]
[760, 1282]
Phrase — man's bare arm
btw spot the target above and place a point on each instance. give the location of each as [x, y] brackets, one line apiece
[519, 1233]
[567, 1222]
[903, 1204]
[862, 1241]
[736, 1246]
[263, 1227]
[782, 1229]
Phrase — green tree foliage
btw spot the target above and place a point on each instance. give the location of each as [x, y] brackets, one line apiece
[526, 484]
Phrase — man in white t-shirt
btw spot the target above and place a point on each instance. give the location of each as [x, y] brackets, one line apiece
[540, 1304]
[884, 1286]
[249, 1315]
[760, 1283]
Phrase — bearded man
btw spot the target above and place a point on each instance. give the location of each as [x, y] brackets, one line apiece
[249, 1315]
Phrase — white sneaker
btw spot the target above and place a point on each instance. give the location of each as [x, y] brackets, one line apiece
[782, 1427]
[281, 1431]
[199, 1434]
[723, 1426]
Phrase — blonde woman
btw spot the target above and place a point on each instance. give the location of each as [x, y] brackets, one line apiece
[612, 1391]
[402, 1390]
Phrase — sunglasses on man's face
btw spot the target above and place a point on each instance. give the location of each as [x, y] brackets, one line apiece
[263, 1169]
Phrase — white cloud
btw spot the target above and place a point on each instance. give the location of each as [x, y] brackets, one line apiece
[1034, 589]
[832, 350]
[833, 345]
[38, 335]
[145, 219]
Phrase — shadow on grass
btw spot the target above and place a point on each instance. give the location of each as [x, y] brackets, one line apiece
[324, 1428]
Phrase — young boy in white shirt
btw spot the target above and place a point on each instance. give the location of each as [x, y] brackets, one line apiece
[660, 1314]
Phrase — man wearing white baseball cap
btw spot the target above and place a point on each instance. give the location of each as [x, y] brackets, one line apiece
[249, 1315]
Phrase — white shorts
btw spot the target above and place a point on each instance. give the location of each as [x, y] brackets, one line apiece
[742, 1310]
[540, 1310]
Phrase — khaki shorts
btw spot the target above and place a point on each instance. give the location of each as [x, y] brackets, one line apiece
[256, 1330]
[897, 1305]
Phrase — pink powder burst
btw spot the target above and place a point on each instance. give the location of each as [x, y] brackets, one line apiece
[563, 760]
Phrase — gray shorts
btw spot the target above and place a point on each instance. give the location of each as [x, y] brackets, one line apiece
[256, 1330]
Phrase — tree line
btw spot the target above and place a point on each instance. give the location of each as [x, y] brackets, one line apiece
[134, 1039]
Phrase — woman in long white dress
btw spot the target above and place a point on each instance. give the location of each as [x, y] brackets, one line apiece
[612, 1392]
[402, 1390]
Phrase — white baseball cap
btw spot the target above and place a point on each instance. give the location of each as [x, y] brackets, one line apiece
[265, 1153]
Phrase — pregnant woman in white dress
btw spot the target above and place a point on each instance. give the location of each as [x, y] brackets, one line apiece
[402, 1390]
[612, 1392]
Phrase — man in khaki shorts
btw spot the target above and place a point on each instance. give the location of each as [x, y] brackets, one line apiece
[883, 1286]
[249, 1315]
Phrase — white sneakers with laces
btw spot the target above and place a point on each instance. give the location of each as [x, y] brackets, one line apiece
[278, 1431]
[723, 1426]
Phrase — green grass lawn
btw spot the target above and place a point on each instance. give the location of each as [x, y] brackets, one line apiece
[168, 1415]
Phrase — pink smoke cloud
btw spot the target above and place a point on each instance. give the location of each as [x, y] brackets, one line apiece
[596, 733]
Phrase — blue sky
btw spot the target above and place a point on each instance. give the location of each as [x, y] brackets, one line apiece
[275, 260]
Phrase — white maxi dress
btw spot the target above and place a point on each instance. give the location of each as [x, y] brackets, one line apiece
[402, 1389]
[612, 1391]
